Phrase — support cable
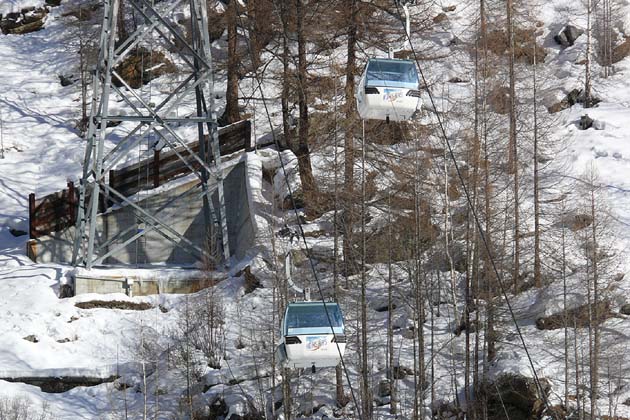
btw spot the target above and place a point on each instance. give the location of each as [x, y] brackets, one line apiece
[482, 234]
[299, 223]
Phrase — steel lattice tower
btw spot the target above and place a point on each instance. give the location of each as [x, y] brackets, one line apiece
[194, 86]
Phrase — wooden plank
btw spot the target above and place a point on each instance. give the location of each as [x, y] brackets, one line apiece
[72, 203]
[31, 216]
[43, 225]
[51, 200]
[232, 138]
[49, 212]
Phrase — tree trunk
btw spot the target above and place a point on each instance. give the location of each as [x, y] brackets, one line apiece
[231, 96]
[596, 315]
[393, 403]
[338, 372]
[366, 397]
[349, 138]
[513, 152]
[565, 313]
[587, 64]
[286, 126]
[537, 263]
[302, 151]
[122, 31]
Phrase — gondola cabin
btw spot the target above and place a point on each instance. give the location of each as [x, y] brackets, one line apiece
[389, 90]
[308, 340]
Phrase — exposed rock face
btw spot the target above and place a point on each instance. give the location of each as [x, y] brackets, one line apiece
[251, 281]
[58, 385]
[524, 42]
[298, 199]
[515, 397]
[27, 20]
[567, 36]
[576, 96]
[621, 51]
[391, 241]
[576, 317]
[576, 222]
[114, 304]
[499, 100]
[141, 66]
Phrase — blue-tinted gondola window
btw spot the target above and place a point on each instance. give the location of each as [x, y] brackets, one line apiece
[313, 316]
[392, 73]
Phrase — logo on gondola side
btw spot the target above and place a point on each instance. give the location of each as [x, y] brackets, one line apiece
[316, 343]
[391, 95]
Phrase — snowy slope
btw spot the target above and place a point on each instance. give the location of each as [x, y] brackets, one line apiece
[43, 151]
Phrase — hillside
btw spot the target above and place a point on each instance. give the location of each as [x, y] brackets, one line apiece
[213, 352]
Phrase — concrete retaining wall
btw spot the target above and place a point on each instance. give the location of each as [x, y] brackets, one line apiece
[183, 215]
[134, 285]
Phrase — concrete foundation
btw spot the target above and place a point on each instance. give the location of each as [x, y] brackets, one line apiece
[184, 215]
[142, 282]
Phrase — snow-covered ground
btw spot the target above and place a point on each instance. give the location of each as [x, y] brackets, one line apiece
[43, 150]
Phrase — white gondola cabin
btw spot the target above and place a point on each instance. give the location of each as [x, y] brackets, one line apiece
[308, 340]
[389, 90]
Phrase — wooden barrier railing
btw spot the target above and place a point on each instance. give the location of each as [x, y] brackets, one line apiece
[52, 212]
[57, 211]
[164, 167]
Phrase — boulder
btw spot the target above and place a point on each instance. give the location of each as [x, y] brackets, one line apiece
[625, 309]
[621, 51]
[576, 96]
[567, 36]
[65, 291]
[251, 281]
[572, 33]
[27, 20]
[296, 203]
[384, 388]
[586, 122]
[65, 80]
[440, 18]
[515, 397]
[141, 66]
[576, 317]
[17, 232]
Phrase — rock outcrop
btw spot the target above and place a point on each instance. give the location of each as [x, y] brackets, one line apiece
[29, 19]
[578, 317]
[568, 35]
